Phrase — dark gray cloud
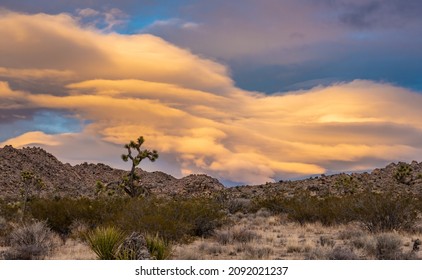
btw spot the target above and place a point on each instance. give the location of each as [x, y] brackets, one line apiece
[282, 45]
[375, 13]
[361, 16]
[11, 115]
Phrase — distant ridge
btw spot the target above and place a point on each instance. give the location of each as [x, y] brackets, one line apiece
[80, 180]
[65, 180]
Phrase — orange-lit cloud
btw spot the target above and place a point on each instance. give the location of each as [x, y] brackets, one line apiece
[188, 108]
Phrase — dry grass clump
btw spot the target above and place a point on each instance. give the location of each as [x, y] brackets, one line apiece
[342, 253]
[364, 241]
[245, 236]
[30, 241]
[78, 229]
[72, 249]
[326, 241]
[236, 235]
[239, 205]
[189, 253]
[388, 247]
[328, 253]
[258, 252]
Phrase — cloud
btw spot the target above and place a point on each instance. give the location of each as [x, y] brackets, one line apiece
[374, 13]
[279, 45]
[272, 45]
[173, 22]
[32, 138]
[187, 107]
[107, 21]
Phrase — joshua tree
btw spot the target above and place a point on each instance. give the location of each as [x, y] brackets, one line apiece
[29, 182]
[403, 173]
[129, 183]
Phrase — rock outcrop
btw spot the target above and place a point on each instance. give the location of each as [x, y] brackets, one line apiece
[80, 180]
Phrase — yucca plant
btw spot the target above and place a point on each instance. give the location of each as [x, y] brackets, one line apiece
[104, 241]
[159, 248]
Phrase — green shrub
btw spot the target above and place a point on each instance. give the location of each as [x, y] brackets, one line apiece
[159, 248]
[305, 208]
[275, 204]
[385, 212]
[376, 212]
[10, 210]
[205, 214]
[104, 241]
[61, 214]
[173, 220]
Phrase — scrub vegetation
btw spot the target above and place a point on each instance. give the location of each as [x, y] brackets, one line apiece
[359, 226]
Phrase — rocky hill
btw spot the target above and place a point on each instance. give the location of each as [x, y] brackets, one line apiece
[398, 177]
[80, 180]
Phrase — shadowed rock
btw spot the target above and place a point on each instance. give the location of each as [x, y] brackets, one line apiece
[134, 247]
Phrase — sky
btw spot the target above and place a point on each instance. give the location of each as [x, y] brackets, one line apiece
[247, 91]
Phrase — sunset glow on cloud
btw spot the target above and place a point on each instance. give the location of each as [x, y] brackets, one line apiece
[116, 87]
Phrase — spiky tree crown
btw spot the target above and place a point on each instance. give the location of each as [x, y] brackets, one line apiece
[142, 154]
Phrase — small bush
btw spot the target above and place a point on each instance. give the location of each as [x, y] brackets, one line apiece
[341, 253]
[274, 204]
[238, 205]
[104, 241]
[326, 241]
[224, 237]
[388, 247]
[32, 241]
[244, 236]
[158, 247]
[258, 253]
[364, 241]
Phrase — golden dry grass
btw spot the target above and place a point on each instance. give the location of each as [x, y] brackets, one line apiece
[72, 250]
[274, 237]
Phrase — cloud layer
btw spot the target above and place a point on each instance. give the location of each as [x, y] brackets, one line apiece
[187, 107]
